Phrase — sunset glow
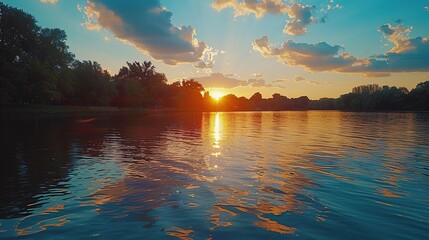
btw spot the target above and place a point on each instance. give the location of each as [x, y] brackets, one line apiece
[214, 119]
[312, 48]
[217, 95]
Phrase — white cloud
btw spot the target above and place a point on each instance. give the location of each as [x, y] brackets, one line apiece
[49, 1]
[246, 7]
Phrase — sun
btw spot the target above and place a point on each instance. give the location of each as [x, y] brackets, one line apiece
[217, 95]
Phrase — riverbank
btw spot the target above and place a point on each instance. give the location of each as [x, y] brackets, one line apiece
[47, 111]
[93, 111]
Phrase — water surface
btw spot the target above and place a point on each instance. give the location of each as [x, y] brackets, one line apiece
[256, 175]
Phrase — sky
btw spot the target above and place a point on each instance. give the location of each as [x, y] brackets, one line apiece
[319, 48]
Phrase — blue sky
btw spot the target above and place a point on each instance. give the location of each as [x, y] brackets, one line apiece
[314, 48]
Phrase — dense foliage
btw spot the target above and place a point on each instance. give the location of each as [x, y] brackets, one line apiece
[37, 68]
[373, 97]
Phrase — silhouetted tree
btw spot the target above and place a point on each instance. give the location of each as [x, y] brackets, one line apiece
[31, 60]
[92, 85]
[149, 91]
[418, 98]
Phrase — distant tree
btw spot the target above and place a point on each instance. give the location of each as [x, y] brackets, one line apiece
[418, 98]
[324, 104]
[92, 84]
[229, 103]
[187, 95]
[151, 90]
[301, 103]
[256, 101]
[366, 89]
[192, 85]
[256, 97]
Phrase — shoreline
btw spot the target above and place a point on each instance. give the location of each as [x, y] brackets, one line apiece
[52, 110]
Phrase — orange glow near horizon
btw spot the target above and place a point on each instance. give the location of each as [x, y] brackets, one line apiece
[217, 95]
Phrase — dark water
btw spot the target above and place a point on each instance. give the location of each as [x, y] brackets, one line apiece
[271, 175]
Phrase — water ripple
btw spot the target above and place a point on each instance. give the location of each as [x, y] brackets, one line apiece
[250, 175]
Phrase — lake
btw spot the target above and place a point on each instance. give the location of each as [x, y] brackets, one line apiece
[244, 175]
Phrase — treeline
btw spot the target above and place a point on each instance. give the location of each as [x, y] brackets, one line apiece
[373, 98]
[36, 67]
[256, 102]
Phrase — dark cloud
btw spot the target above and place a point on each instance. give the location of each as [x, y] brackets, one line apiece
[147, 25]
[385, 28]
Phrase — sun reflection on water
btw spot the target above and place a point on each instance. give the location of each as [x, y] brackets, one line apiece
[217, 137]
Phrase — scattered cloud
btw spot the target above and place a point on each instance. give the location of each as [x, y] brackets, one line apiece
[281, 81]
[406, 55]
[298, 79]
[317, 83]
[146, 25]
[49, 1]
[426, 8]
[246, 7]
[257, 83]
[219, 80]
[398, 35]
[258, 75]
[203, 65]
[301, 16]
[331, 6]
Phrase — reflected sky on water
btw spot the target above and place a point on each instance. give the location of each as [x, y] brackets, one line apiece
[254, 175]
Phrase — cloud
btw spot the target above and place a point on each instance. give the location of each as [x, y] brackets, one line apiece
[146, 25]
[281, 81]
[203, 65]
[246, 7]
[331, 6]
[49, 1]
[298, 79]
[219, 80]
[257, 83]
[300, 15]
[426, 8]
[406, 55]
[317, 57]
[398, 35]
